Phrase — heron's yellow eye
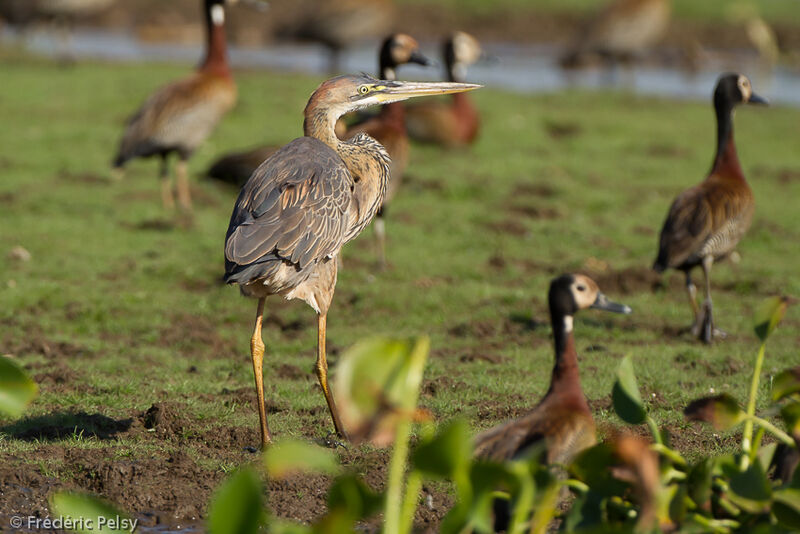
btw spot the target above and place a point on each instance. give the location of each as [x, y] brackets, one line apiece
[364, 89]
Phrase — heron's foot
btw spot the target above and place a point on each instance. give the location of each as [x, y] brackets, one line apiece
[707, 332]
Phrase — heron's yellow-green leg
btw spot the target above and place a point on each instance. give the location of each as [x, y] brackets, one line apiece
[322, 373]
[257, 352]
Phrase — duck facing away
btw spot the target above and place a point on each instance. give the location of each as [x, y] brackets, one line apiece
[304, 203]
[621, 31]
[179, 117]
[706, 222]
[562, 421]
[454, 123]
[388, 127]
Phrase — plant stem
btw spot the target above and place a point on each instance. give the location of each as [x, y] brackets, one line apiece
[413, 487]
[751, 408]
[394, 486]
[777, 432]
[654, 430]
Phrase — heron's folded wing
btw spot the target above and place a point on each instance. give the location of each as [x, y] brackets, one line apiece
[292, 207]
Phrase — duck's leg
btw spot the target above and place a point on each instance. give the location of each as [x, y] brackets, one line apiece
[322, 373]
[166, 185]
[257, 352]
[182, 177]
[691, 290]
[380, 236]
[708, 332]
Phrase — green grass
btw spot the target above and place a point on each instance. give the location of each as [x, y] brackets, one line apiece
[135, 316]
[709, 10]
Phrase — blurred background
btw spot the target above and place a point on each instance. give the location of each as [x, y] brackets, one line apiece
[650, 46]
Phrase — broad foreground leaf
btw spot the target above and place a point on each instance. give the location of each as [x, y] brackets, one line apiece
[16, 389]
[625, 395]
[768, 315]
[722, 411]
[292, 456]
[89, 514]
[236, 507]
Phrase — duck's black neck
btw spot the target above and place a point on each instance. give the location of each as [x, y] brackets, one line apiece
[216, 59]
[725, 157]
[565, 370]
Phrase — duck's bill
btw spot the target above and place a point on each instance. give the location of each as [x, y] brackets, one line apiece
[602, 303]
[757, 99]
[394, 91]
[421, 59]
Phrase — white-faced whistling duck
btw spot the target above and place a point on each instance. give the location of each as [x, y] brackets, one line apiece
[621, 31]
[338, 24]
[562, 420]
[388, 127]
[706, 222]
[304, 203]
[179, 117]
[457, 122]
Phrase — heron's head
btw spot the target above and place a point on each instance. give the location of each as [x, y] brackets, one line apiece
[460, 51]
[733, 89]
[352, 92]
[570, 293]
[399, 49]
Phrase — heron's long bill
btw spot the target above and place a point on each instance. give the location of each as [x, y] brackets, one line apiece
[395, 91]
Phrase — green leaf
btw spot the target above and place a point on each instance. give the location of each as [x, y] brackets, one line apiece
[592, 466]
[699, 481]
[236, 507]
[89, 514]
[787, 507]
[751, 490]
[377, 386]
[625, 394]
[291, 456]
[16, 389]
[768, 315]
[791, 416]
[722, 411]
[447, 454]
[786, 383]
[351, 494]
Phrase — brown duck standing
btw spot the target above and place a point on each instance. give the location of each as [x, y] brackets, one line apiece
[181, 116]
[304, 203]
[562, 420]
[622, 30]
[706, 222]
[389, 126]
[454, 123]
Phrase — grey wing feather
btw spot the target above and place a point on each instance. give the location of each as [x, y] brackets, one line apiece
[291, 209]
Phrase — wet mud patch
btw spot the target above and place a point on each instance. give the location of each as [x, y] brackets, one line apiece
[83, 177]
[491, 410]
[562, 129]
[535, 212]
[527, 188]
[34, 342]
[291, 372]
[62, 425]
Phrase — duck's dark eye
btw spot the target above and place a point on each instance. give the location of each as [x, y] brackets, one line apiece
[581, 288]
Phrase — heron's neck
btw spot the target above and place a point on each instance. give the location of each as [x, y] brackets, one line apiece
[216, 60]
[320, 123]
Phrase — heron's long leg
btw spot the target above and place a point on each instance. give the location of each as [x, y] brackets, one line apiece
[691, 289]
[257, 352]
[182, 177]
[322, 373]
[166, 186]
[380, 235]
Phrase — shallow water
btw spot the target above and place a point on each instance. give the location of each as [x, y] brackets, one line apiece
[520, 68]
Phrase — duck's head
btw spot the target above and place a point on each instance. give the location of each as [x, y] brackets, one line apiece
[570, 293]
[460, 51]
[399, 49]
[733, 89]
